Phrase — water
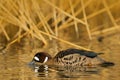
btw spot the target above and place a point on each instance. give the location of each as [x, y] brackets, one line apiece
[14, 66]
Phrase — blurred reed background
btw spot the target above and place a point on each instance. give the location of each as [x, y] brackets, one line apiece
[42, 22]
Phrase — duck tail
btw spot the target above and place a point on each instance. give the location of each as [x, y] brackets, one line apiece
[107, 64]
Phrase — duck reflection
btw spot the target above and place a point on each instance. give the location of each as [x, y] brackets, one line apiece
[63, 72]
[76, 72]
[41, 70]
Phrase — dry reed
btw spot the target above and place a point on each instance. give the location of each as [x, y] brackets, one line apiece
[45, 19]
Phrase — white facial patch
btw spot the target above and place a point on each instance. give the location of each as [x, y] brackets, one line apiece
[46, 58]
[36, 58]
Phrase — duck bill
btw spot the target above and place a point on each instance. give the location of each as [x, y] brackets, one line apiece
[31, 63]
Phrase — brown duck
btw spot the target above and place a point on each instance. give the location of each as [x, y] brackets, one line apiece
[71, 57]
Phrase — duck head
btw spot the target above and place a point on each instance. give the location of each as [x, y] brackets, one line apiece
[41, 57]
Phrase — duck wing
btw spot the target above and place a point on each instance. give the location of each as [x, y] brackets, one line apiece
[63, 53]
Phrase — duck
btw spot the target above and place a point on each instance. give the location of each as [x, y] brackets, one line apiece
[71, 57]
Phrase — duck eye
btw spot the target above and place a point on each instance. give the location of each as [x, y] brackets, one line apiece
[36, 58]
